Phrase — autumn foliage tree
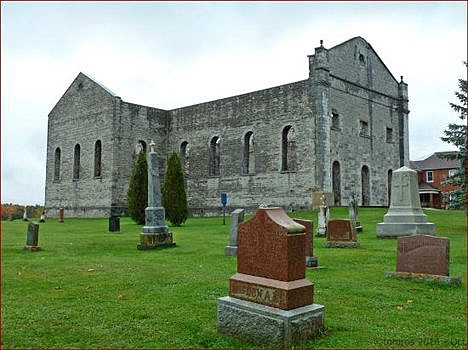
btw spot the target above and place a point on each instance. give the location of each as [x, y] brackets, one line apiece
[174, 198]
[137, 195]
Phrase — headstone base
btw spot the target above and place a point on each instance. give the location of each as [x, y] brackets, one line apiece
[230, 250]
[154, 241]
[260, 324]
[341, 244]
[32, 248]
[405, 229]
[311, 261]
[423, 277]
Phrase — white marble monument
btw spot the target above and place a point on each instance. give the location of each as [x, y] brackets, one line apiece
[405, 216]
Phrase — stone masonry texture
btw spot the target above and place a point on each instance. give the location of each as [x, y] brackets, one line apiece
[349, 81]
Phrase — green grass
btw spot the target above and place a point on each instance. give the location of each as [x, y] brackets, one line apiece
[89, 288]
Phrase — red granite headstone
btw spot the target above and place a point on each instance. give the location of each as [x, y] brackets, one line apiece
[271, 262]
[423, 254]
[341, 230]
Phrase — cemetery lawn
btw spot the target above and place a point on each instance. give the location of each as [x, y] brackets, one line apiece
[88, 288]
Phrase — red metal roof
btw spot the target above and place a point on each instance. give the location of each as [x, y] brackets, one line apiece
[438, 160]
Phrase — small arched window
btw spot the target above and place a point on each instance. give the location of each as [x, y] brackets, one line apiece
[97, 159]
[248, 162]
[288, 149]
[214, 156]
[76, 162]
[389, 185]
[57, 160]
[184, 157]
[336, 182]
[365, 185]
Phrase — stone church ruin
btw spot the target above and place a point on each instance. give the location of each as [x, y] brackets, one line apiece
[341, 130]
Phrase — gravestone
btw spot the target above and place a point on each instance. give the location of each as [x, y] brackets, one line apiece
[270, 301]
[155, 233]
[32, 237]
[61, 214]
[353, 213]
[25, 215]
[405, 216]
[114, 223]
[424, 257]
[311, 260]
[43, 217]
[322, 198]
[341, 234]
[323, 217]
[237, 216]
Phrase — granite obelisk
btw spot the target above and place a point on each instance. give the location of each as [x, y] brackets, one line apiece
[155, 233]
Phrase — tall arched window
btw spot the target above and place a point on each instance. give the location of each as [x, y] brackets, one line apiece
[389, 186]
[184, 157]
[248, 162]
[57, 160]
[97, 158]
[214, 156]
[365, 185]
[288, 149]
[336, 180]
[76, 162]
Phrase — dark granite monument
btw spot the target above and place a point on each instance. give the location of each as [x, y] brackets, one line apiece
[341, 234]
[155, 232]
[424, 257]
[311, 260]
[32, 237]
[270, 301]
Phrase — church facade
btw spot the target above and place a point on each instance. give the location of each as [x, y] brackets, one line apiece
[341, 130]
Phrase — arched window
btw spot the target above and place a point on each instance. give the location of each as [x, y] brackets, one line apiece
[389, 186]
[248, 162]
[76, 162]
[288, 149]
[336, 180]
[57, 160]
[184, 157]
[365, 185]
[215, 156]
[97, 158]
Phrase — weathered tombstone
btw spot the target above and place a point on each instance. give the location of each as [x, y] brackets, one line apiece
[32, 237]
[25, 214]
[155, 232]
[405, 216]
[424, 257]
[43, 217]
[114, 223]
[311, 260]
[323, 217]
[341, 234]
[270, 301]
[322, 198]
[353, 213]
[60, 218]
[237, 216]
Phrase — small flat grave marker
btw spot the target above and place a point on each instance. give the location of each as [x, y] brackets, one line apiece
[341, 233]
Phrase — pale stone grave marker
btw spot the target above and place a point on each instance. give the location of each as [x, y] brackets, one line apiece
[237, 216]
[405, 216]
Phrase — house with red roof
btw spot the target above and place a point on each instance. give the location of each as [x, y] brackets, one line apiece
[433, 171]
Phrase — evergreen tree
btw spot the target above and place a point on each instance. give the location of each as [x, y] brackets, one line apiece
[137, 195]
[174, 198]
[455, 134]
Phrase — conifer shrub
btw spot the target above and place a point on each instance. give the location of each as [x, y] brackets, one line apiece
[137, 195]
[174, 198]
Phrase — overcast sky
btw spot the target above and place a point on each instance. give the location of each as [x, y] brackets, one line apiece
[168, 55]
